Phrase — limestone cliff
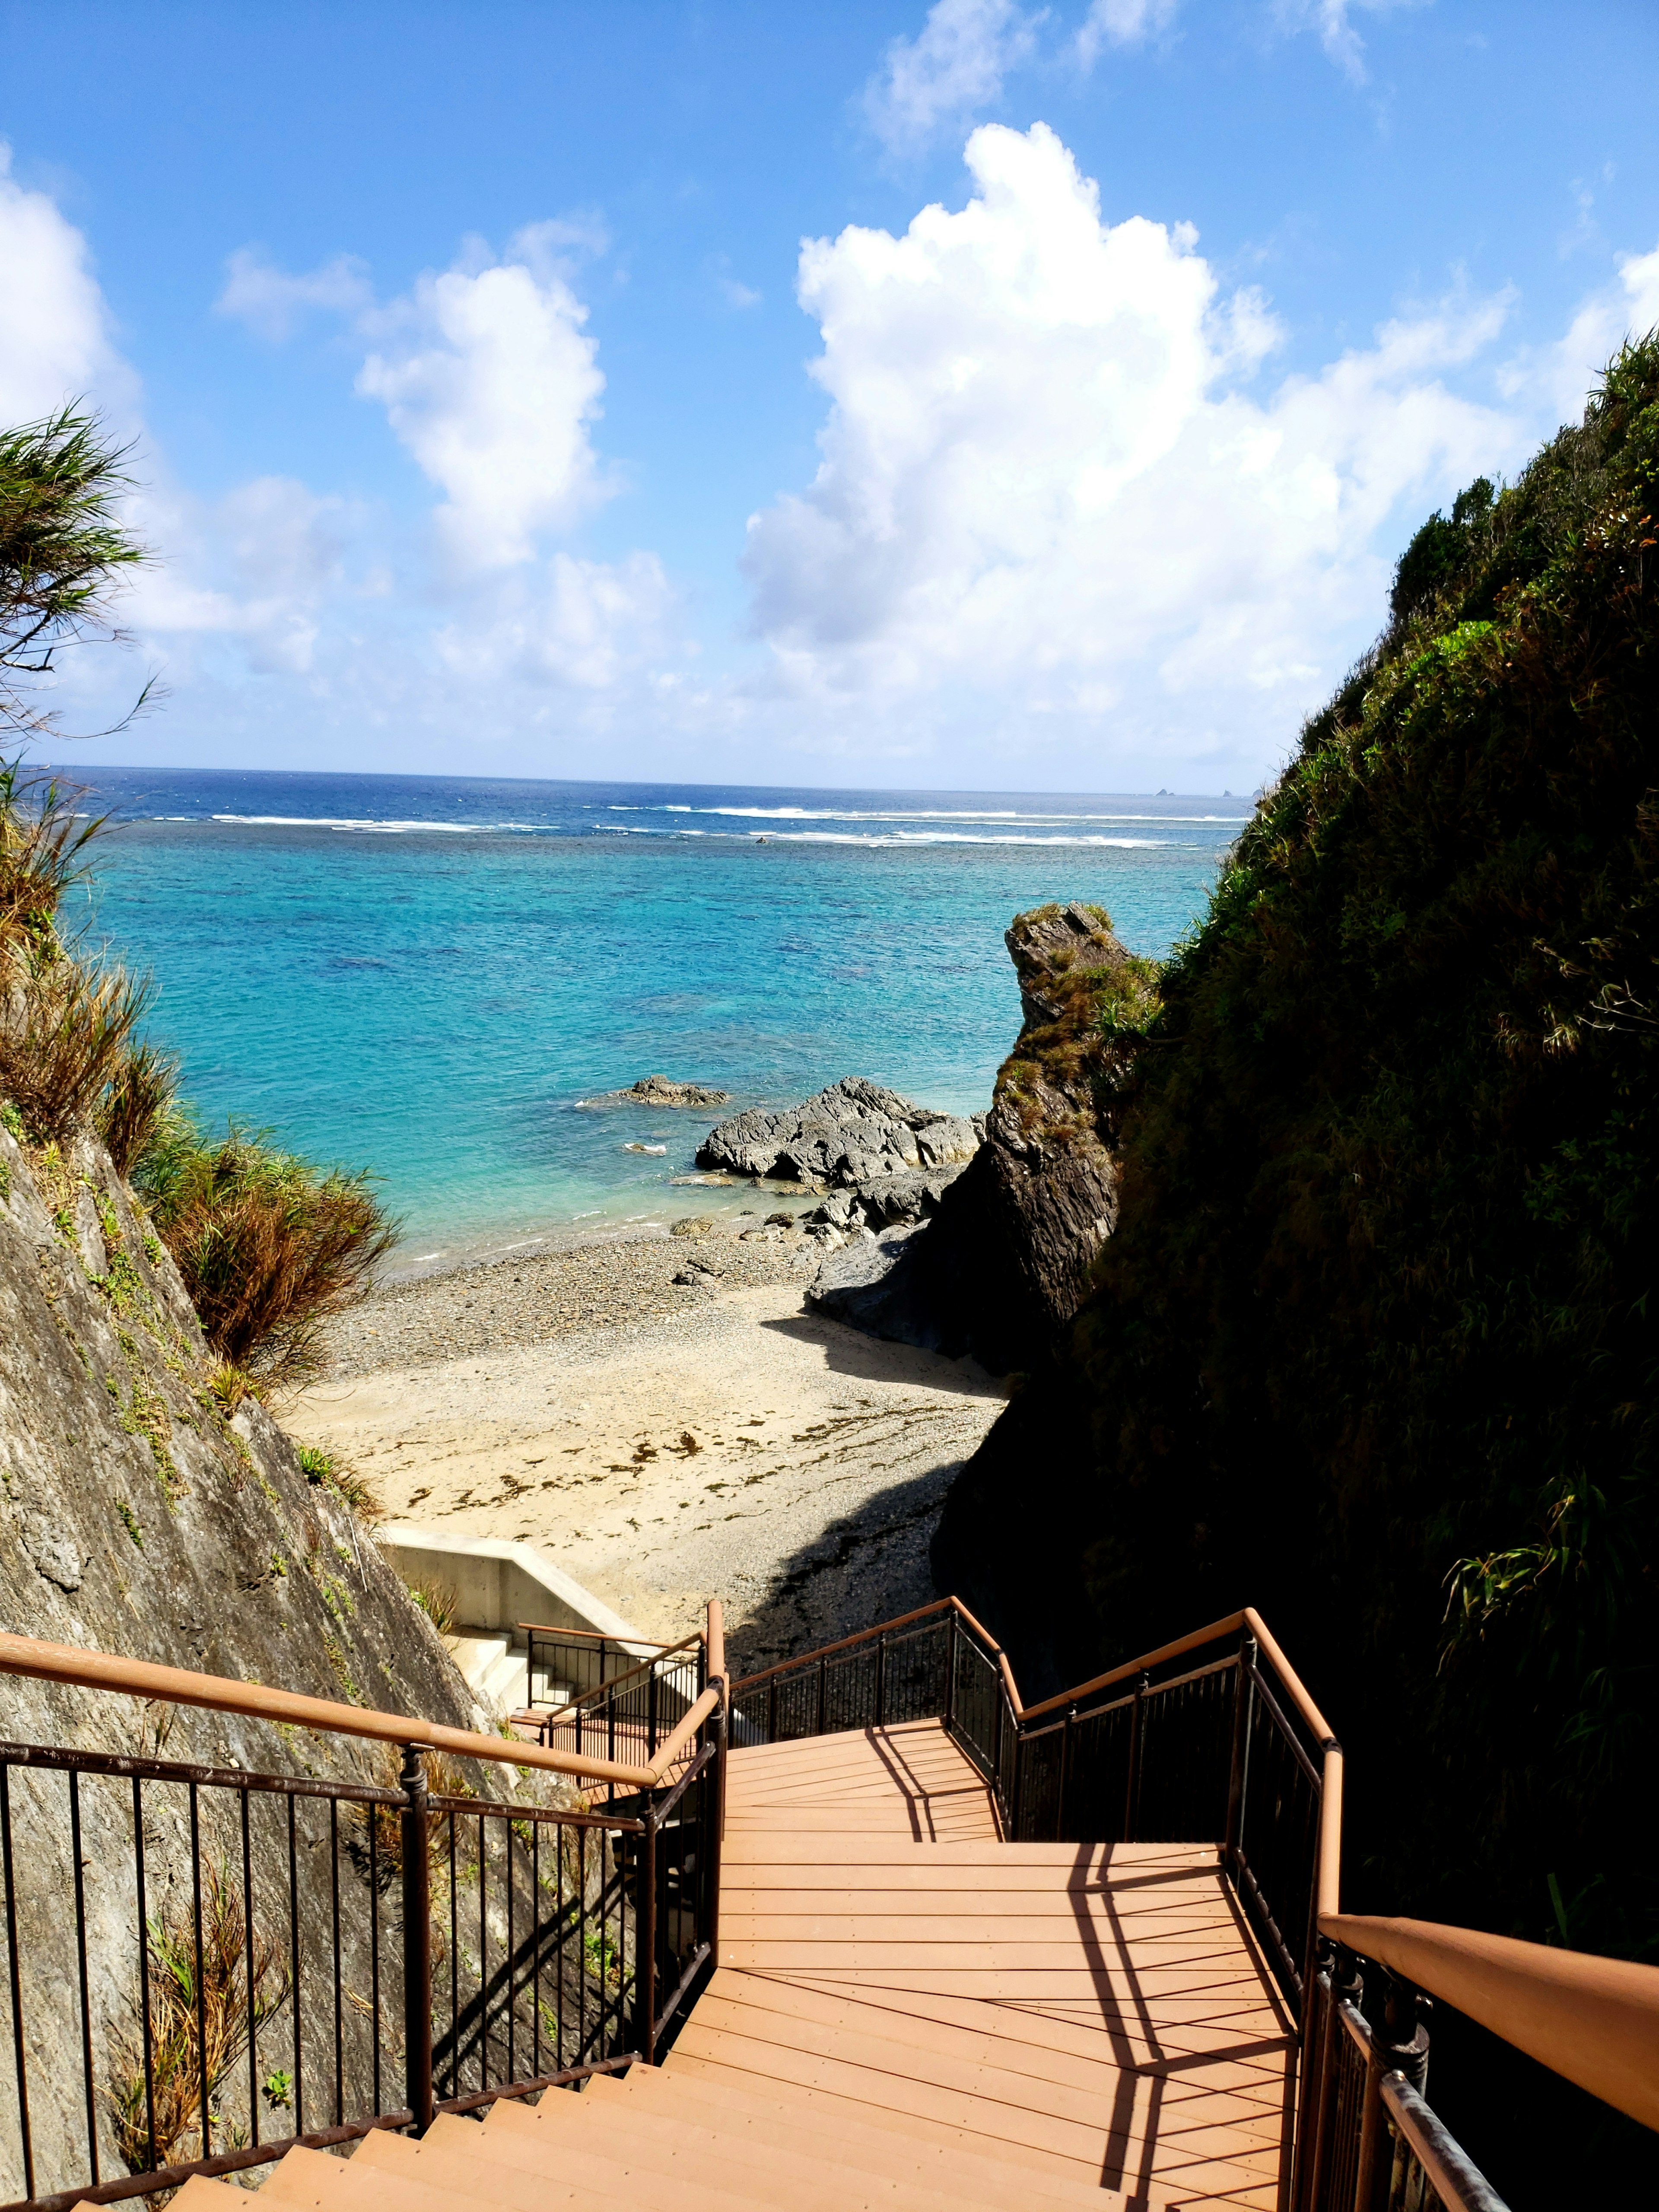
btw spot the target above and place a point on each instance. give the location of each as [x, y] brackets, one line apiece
[1005, 1263]
[142, 1514]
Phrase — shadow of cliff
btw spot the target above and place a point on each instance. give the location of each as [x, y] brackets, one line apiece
[874, 1359]
[862, 1571]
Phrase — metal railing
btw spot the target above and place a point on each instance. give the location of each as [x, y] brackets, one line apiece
[633, 1702]
[244, 1961]
[1211, 1739]
[562, 1664]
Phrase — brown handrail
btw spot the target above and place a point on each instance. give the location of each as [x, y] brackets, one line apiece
[592, 1636]
[142, 1678]
[1595, 2020]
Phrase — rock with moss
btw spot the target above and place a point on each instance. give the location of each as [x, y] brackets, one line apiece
[1004, 1261]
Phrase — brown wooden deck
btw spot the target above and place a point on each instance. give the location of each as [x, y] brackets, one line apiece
[1097, 2015]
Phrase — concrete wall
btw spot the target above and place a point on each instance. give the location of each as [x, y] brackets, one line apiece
[497, 1583]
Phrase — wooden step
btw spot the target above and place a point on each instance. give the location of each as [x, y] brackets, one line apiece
[312, 2181]
[696, 2162]
[956, 2174]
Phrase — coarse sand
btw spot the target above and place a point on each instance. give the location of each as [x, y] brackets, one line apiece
[662, 1442]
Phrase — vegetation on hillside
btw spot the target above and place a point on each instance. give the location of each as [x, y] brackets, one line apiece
[1374, 1346]
[268, 1245]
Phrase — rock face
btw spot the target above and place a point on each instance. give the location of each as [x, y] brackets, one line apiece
[661, 1090]
[140, 1515]
[1003, 1264]
[853, 1133]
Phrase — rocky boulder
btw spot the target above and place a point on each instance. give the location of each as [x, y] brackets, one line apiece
[660, 1091]
[853, 1133]
[1004, 1262]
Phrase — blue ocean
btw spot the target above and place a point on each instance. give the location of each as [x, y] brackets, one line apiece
[428, 976]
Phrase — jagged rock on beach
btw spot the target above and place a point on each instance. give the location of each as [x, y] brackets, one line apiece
[660, 1091]
[852, 1133]
[693, 1225]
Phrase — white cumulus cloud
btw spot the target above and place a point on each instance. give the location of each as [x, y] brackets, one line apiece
[490, 379]
[1052, 499]
[54, 342]
[952, 69]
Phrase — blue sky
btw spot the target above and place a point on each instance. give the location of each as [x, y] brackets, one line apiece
[988, 396]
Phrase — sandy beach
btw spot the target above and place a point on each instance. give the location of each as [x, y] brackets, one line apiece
[663, 1441]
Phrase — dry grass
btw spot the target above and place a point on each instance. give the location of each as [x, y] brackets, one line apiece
[65, 1035]
[269, 1246]
[436, 1600]
[182, 2046]
[139, 1095]
[43, 835]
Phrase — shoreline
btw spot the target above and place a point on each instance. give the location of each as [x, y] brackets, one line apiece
[662, 1442]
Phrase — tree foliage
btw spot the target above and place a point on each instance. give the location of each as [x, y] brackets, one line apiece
[63, 550]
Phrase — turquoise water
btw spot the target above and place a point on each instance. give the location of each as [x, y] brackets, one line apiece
[427, 975]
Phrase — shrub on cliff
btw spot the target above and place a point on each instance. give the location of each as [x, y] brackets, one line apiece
[269, 1246]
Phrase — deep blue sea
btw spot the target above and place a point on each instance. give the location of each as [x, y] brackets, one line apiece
[427, 975]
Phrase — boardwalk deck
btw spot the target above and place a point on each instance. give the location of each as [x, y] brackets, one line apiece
[1099, 2016]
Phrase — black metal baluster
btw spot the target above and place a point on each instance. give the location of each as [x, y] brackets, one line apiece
[483, 1967]
[339, 2018]
[536, 1951]
[455, 1967]
[201, 1970]
[645, 1943]
[950, 1674]
[1132, 1791]
[247, 1976]
[582, 1945]
[144, 1960]
[417, 1940]
[651, 1715]
[772, 1710]
[1066, 1726]
[374, 1946]
[80, 1962]
[294, 1967]
[824, 1687]
[17, 1989]
[511, 1992]
[1238, 1761]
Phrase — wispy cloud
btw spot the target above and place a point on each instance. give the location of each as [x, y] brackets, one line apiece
[1332, 22]
[1120, 23]
[949, 72]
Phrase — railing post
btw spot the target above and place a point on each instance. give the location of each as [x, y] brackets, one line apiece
[772, 1710]
[881, 1679]
[651, 1711]
[1019, 1785]
[714, 1781]
[1400, 2045]
[823, 1691]
[998, 1700]
[645, 1942]
[950, 1675]
[1132, 1793]
[417, 1941]
[1239, 1765]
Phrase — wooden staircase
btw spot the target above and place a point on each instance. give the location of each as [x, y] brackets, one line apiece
[909, 2013]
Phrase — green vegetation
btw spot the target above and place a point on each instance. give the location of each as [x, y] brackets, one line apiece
[63, 546]
[1373, 1347]
[327, 1468]
[269, 1246]
[437, 1601]
[200, 2024]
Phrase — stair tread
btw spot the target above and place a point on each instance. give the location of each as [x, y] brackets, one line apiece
[810, 2141]
[669, 2161]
